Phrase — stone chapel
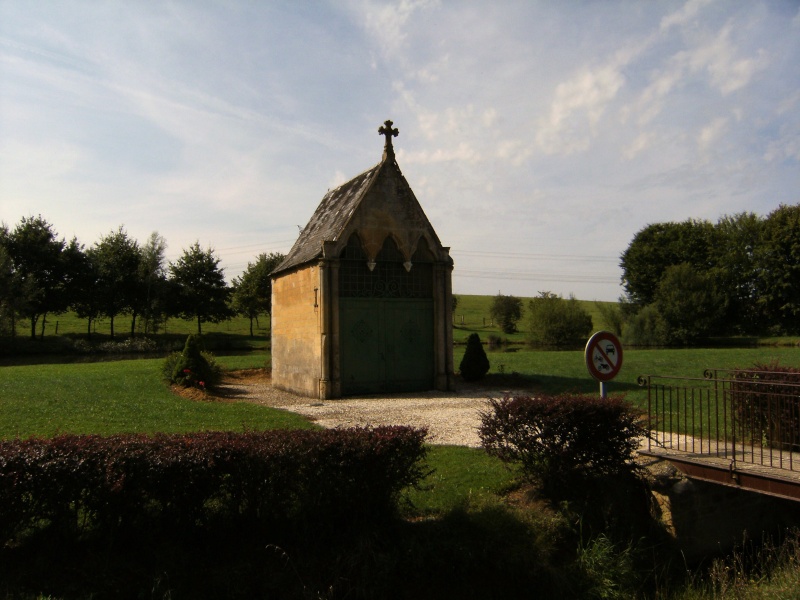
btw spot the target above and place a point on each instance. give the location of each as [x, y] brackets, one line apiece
[362, 304]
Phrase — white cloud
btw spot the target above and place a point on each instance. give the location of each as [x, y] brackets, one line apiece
[338, 179]
[788, 104]
[463, 152]
[684, 15]
[651, 101]
[516, 152]
[718, 58]
[641, 143]
[386, 22]
[786, 146]
[577, 106]
[711, 133]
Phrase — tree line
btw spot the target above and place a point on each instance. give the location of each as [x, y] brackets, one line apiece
[691, 280]
[686, 282]
[41, 275]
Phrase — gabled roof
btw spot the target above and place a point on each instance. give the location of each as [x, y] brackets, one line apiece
[338, 213]
[329, 220]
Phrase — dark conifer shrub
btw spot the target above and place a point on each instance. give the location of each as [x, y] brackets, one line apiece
[475, 363]
[192, 367]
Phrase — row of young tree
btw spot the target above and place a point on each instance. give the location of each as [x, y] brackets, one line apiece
[688, 281]
[42, 275]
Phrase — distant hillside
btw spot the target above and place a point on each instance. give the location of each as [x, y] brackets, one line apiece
[472, 316]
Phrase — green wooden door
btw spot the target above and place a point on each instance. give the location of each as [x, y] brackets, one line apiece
[362, 361]
[409, 345]
[386, 345]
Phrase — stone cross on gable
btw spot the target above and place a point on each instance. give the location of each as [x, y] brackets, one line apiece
[386, 130]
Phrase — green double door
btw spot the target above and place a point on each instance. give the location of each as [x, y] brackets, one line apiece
[386, 345]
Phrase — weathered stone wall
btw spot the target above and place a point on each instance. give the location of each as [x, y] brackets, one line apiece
[296, 345]
[708, 519]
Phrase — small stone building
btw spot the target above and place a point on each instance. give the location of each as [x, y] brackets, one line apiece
[362, 304]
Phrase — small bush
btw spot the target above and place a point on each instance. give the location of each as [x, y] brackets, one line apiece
[475, 363]
[192, 367]
[554, 437]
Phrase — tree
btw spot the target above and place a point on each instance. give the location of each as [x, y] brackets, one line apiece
[689, 303]
[40, 271]
[252, 291]
[115, 259]
[507, 311]
[7, 293]
[202, 293]
[554, 321]
[735, 271]
[659, 246]
[612, 315]
[645, 328]
[149, 301]
[778, 263]
[83, 297]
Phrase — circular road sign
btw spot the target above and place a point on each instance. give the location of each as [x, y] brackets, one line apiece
[603, 356]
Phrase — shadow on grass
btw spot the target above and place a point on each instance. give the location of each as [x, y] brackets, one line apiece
[489, 553]
[549, 384]
[79, 348]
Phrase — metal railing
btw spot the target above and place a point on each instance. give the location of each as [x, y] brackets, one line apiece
[742, 415]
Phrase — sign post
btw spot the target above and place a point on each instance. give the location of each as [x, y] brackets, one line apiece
[603, 358]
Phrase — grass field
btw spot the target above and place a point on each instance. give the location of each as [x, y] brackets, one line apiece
[472, 315]
[565, 371]
[119, 396]
[69, 324]
[129, 395]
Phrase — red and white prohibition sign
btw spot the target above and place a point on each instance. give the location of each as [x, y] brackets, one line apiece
[603, 356]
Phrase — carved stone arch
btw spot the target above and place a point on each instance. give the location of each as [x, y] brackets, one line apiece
[391, 250]
[390, 275]
[353, 248]
[422, 252]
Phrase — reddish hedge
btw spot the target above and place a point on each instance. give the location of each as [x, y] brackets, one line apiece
[766, 401]
[553, 437]
[76, 484]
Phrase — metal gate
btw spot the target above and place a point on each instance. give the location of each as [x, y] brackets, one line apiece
[386, 345]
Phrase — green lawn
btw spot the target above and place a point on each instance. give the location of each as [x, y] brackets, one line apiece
[119, 396]
[565, 371]
[461, 477]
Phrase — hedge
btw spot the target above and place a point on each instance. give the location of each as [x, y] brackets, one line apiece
[77, 484]
[552, 437]
[766, 400]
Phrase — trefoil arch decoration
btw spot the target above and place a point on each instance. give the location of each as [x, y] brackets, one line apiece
[390, 275]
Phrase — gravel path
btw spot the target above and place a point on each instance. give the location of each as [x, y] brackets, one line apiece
[452, 418]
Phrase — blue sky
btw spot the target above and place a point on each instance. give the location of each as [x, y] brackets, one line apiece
[539, 137]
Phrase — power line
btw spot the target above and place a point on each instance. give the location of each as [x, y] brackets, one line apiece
[520, 276]
[536, 256]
